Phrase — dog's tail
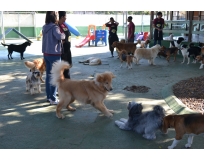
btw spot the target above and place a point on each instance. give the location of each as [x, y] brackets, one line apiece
[4, 44]
[29, 64]
[57, 72]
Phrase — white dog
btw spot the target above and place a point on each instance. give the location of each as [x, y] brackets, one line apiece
[147, 53]
[33, 81]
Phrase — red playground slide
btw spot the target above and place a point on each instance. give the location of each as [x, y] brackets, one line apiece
[86, 40]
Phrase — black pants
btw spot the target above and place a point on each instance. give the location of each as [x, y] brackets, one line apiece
[111, 39]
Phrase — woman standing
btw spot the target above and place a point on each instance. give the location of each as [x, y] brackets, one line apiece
[51, 49]
[66, 52]
[112, 24]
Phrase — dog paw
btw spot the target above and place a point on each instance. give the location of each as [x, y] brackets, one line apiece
[69, 108]
[111, 111]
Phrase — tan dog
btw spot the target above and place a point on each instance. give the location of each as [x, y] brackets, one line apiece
[121, 41]
[143, 44]
[37, 64]
[129, 47]
[92, 61]
[87, 92]
[147, 53]
[191, 124]
[125, 57]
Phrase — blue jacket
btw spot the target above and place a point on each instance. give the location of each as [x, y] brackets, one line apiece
[52, 37]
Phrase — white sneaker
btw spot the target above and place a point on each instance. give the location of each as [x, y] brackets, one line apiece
[54, 102]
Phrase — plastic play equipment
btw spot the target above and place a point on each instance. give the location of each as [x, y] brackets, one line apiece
[94, 36]
[141, 36]
[72, 29]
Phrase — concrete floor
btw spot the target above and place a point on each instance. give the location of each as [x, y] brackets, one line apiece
[28, 122]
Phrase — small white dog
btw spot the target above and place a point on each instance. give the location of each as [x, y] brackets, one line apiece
[147, 53]
[33, 81]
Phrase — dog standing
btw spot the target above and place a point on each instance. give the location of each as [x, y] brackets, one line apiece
[37, 64]
[129, 47]
[200, 58]
[168, 52]
[176, 43]
[91, 92]
[33, 81]
[143, 123]
[190, 124]
[17, 48]
[125, 57]
[147, 53]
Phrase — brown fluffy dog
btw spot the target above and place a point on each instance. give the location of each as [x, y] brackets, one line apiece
[125, 57]
[87, 92]
[168, 52]
[129, 47]
[37, 64]
[143, 44]
[191, 124]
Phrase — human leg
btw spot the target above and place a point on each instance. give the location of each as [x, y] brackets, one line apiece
[50, 89]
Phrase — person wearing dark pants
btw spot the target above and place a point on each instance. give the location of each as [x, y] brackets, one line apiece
[158, 25]
[112, 24]
[66, 52]
[131, 30]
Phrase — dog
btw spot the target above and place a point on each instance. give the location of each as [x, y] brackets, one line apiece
[143, 123]
[129, 47]
[125, 57]
[91, 92]
[17, 48]
[37, 64]
[92, 61]
[143, 44]
[190, 124]
[185, 53]
[176, 43]
[33, 81]
[147, 53]
[168, 52]
[194, 51]
[200, 58]
[121, 41]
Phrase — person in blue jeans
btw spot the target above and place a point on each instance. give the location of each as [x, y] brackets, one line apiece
[51, 49]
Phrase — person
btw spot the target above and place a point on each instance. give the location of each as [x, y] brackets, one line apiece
[51, 49]
[131, 30]
[158, 25]
[66, 52]
[112, 24]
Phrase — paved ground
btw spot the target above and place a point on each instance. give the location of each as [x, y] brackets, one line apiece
[28, 122]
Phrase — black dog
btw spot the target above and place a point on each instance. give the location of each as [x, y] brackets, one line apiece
[176, 43]
[194, 51]
[17, 48]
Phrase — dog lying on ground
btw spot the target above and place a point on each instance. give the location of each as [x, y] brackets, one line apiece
[143, 123]
[87, 92]
[125, 57]
[129, 47]
[176, 43]
[37, 64]
[33, 82]
[92, 61]
[16, 48]
[168, 52]
[147, 53]
[191, 124]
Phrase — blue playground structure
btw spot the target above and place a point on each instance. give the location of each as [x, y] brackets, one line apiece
[72, 29]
